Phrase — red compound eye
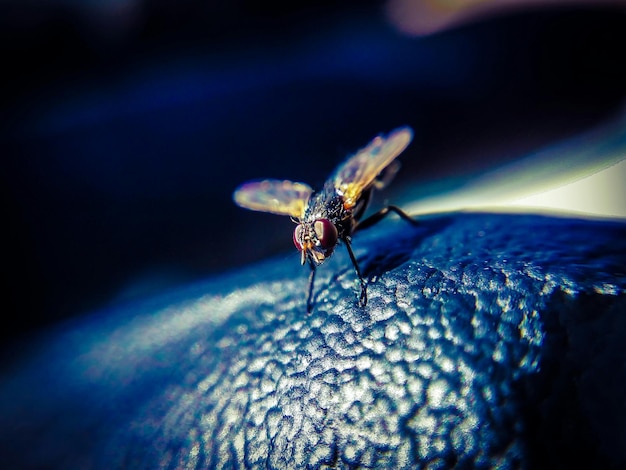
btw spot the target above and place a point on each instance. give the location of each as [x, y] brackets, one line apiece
[326, 233]
[297, 236]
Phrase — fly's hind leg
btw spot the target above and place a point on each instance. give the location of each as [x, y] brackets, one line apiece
[363, 296]
[372, 220]
[381, 214]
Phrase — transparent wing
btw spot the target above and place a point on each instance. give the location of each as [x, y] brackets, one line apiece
[360, 170]
[274, 196]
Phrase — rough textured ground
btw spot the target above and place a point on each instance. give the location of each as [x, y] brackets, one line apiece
[489, 341]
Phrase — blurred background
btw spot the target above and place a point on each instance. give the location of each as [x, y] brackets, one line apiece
[125, 125]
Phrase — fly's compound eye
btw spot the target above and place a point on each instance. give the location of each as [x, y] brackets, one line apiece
[326, 233]
[297, 236]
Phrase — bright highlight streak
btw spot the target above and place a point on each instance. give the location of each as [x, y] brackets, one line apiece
[602, 194]
[585, 175]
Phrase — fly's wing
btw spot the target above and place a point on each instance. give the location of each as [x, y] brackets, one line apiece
[274, 196]
[360, 170]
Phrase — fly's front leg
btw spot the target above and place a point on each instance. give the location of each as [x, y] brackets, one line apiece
[309, 300]
[381, 214]
[363, 296]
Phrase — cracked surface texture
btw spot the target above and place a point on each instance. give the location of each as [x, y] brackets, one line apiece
[489, 341]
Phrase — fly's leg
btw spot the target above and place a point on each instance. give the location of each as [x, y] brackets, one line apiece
[381, 214]
[309, 300]
[363, 296]
[372, 220]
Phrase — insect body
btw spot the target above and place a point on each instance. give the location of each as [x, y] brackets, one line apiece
[334, 213]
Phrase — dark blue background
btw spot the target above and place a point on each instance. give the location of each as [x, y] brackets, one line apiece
[123, 136]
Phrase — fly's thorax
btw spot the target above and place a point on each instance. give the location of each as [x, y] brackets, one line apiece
[328, 204]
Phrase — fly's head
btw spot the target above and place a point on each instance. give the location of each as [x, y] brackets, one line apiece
[316, 239]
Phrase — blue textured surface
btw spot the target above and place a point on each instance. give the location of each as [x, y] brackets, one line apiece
[489, 341]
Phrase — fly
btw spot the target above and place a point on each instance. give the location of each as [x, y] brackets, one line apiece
[334, 213]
